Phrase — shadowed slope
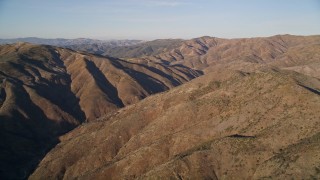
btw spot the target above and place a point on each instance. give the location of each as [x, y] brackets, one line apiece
[104, 84]
[47, 91]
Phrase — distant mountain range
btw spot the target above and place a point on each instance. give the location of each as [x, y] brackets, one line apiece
[95, 45]
[113, 48]
[70, 42]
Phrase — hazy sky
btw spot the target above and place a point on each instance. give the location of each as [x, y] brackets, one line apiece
[151, 19]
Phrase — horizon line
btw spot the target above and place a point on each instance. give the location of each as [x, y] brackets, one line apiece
[152, 39]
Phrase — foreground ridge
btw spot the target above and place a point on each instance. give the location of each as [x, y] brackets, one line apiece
[208, 128]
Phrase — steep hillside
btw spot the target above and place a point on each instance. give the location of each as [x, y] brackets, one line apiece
[225, 124]
[46, 91]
